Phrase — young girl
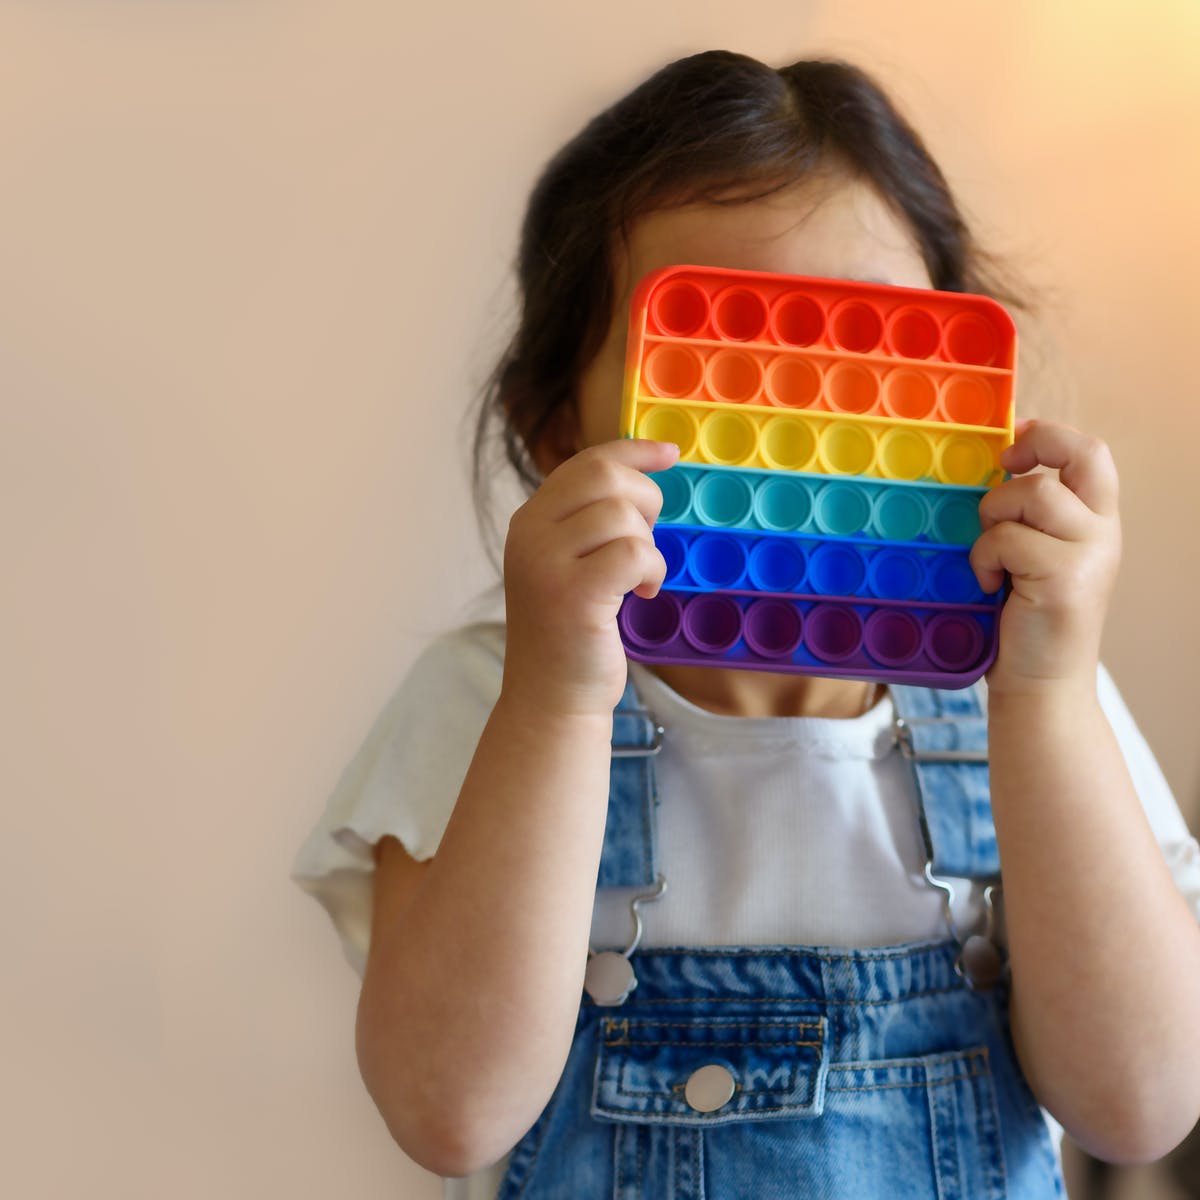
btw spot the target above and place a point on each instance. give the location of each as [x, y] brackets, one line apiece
[713, 945]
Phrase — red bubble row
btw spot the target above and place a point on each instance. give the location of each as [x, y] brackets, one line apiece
[681, 308]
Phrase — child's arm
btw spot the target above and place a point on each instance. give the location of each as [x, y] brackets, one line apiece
[1105, 954]
[469, 1003]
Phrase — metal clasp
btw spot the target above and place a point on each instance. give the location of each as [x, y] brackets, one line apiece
[981, 961]
[609, 976]
[641, 751]
[902, 736]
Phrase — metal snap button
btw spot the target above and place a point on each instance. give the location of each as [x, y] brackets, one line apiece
[709, 1087]
[609, 978]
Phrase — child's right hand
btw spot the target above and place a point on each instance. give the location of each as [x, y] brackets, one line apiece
[573, 550]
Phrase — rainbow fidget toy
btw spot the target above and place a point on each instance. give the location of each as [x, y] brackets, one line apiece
[835, 440]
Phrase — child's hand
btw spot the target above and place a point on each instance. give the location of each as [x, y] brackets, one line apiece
[1060, 540]
[574, 549]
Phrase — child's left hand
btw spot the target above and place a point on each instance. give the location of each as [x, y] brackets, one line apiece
[1060, 540]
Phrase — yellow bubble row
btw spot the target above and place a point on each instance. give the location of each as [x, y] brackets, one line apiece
[735, 437]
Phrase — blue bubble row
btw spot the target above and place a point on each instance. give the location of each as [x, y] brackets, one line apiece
[706, 560]
[840, 506]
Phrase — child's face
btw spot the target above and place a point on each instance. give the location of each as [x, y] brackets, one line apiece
[837, 229]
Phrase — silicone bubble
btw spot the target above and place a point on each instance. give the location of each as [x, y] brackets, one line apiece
[674, 551]
[953, 641]
[651, 623]
[956, 519]
[892, 637]
[787, 443]
[842, 509]
[846, 448]
[722, 498]
[734, 377]
[739, 314]
[968, 400]
[676, 488]
[832, 632]
[856, 325]
[797, 320]
[913, 333]
[679, 308]
[793, 382]
[851, 387]
[970, 338]
[782, 504]
[728, 438]
[909, 394]
[772, 628]
[673, 371]
[661, 423]
[895, 574]
[711, 624]
[905, 454]
[777, 565]
[836, 569]
[952, 581]
[899, 514]
[716, 560]
[964, 458]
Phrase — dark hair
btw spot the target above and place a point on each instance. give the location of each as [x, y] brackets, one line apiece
[699, 129]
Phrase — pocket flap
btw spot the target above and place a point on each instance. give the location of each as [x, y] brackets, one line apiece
[776, 1065]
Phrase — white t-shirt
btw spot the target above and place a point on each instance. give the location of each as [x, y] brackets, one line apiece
[834, 795]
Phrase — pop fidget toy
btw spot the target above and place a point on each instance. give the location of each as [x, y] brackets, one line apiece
[835, 439]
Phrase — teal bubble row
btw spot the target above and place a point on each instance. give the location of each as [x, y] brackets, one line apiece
[836, 506]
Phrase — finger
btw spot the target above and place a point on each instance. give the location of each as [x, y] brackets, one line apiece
[1084, 462]
[614, 468]
[1015, 548]
[602, 521]
[1039, 501]
[626, 565]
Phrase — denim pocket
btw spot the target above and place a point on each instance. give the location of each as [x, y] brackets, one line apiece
[937, 1112]
[775, 1066]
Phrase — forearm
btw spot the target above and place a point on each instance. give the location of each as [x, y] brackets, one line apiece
[472, 1005]
[1105, 954]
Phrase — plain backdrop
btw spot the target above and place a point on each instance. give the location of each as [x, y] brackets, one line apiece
[253, 265]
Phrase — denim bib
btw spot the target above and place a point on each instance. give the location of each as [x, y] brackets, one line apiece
[781, 1072]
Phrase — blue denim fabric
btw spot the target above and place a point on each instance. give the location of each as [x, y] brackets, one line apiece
[857, 1074]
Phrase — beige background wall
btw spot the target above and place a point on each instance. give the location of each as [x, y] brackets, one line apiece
[252, 261]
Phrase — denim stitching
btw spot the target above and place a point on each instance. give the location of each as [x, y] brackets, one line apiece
[648, 1042]
[997, 1133]
[610, 1023]
[931, 1060]
[810, 1000]
[917, 1083]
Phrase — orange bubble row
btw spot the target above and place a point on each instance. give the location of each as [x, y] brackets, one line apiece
[736, 376]
[681, 308]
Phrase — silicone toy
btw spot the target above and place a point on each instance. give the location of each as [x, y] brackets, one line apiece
[835, 440]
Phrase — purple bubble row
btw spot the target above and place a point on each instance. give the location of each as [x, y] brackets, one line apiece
[708, 628]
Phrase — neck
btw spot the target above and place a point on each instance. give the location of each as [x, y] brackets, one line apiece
[764, 694]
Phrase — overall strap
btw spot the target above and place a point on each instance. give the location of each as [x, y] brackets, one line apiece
[944, 735]
[629, 857]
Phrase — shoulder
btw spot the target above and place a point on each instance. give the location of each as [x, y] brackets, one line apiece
[1149, 782]
[470, 656]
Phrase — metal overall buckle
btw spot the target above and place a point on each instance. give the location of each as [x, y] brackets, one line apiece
[609, 976]
[981, 961]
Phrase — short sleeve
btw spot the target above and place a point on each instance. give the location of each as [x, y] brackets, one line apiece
[404, 779]
[1179, 847]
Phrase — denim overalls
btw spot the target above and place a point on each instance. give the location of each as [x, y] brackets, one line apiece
[772, 1072]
